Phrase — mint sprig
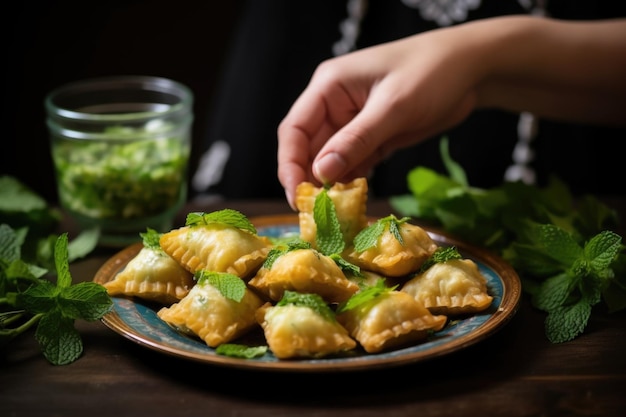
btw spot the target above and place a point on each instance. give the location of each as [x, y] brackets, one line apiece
[368, 237]
[53, 308]
[568, 296]
[564, 251]
[31, 255]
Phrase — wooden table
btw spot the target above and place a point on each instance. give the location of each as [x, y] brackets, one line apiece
[515, 372]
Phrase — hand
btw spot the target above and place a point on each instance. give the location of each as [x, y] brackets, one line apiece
[361, 107]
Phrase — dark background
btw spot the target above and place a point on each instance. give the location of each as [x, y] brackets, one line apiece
[57, 41]
[51, 42]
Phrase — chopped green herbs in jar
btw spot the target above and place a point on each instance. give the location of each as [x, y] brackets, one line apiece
[121, 179]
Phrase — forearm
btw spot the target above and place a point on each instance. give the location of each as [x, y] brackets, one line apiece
[573, 71]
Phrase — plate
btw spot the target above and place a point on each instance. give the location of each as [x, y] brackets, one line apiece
[138, 321]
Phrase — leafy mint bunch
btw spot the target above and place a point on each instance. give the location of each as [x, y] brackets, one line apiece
[576, 276]
[30, 254]
[28, 299]
[552, 241]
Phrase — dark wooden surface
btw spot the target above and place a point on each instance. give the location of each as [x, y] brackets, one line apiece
[515, 372]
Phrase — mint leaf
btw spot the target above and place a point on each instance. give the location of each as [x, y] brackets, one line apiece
[83, 244]
[22, 207]
[151, 239]
[38, 298]
[369, 236]
[441, 255]
[21, 271]
[229, 217]
[229, 285]
[313, 301]
[455, 171]
[553, 292]
[329, 238]
[64, 279]
[59, 341]
[559, 245]
[565, 323]
[365, 295]
[602, 250]
[347, 267]
[234, 350]
[280, 250]
[85, 300]
[9, 244]
[592, 216]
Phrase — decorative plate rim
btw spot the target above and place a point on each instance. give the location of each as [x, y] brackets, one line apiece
[498, 270]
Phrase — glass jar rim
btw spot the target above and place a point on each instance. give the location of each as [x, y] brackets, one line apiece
[139, 83]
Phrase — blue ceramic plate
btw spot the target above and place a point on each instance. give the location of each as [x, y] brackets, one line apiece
[138, 321]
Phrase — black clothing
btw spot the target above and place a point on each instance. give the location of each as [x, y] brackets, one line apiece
[278, 46]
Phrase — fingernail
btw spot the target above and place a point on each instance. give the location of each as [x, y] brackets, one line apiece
[330, 167]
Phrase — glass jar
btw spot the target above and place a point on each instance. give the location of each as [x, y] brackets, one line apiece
[120, 147]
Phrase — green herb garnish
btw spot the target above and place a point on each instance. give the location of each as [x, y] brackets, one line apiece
[122, 177]
[583, 273]
[368, 237]
[234, 350]
[441, 255]
[313, 301]
[151, 239]
[280, 250]
[229, 217]
[566, 256]
[346, 267]
[30, 255]
[328, 238]
[365, 295]
[33, 300]
[229, 285]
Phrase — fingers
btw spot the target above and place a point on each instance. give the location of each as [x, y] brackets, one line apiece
[328, 136]
[365, 140]
[314, 117]
[296, 147]
[293, 163]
